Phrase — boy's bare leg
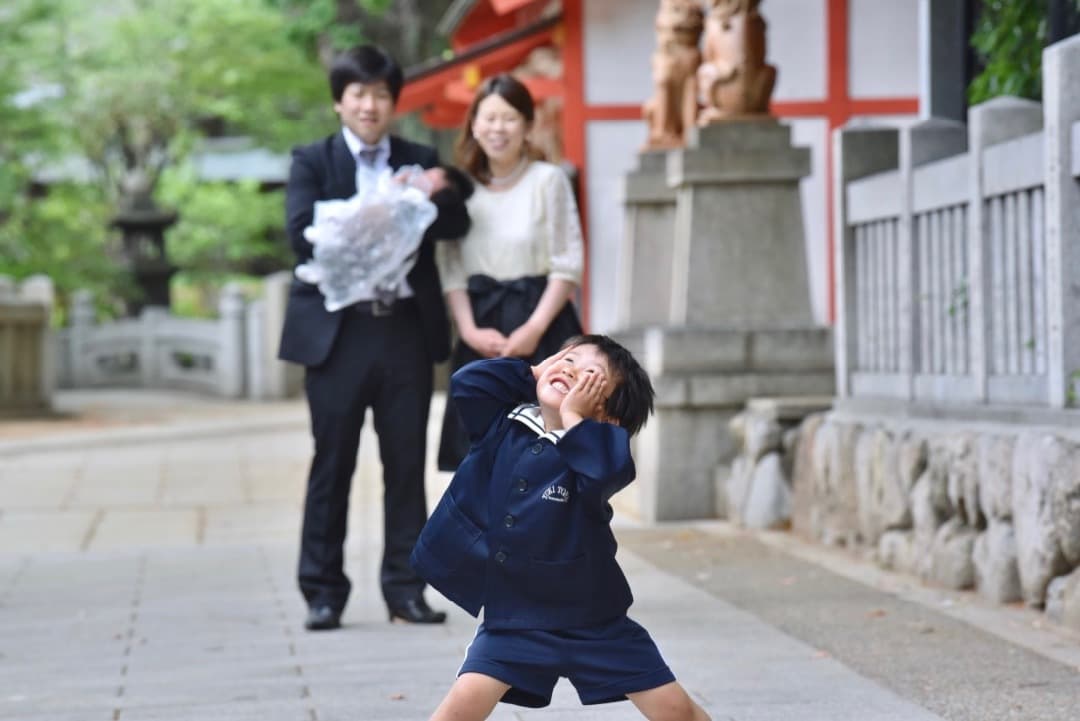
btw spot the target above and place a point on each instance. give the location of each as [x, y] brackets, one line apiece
[669, 702]
[472, 698]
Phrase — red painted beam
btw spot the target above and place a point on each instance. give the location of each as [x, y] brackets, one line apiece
[503, 7]
[574, 119]
[433, 88]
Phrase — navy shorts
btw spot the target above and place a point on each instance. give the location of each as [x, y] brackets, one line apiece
[604, 663]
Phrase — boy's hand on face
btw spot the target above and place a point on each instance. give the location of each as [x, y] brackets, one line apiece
[585, 400]
[538, 370]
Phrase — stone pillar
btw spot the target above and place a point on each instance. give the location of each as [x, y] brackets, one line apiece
[282, 380]
[644, 285]
[150, 362]
[1061, 106]
[26, 347]
[81, 320]
[231, 351]
[257, 364]
[739, 257]
[857, 153]
[922, 143]
[39, 289]
[989, 123]
[731, 320]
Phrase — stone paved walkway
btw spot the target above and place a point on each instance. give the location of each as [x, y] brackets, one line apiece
[146, 572]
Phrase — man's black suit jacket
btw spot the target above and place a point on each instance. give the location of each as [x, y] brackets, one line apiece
[326, 170]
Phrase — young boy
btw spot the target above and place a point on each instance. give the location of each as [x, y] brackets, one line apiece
[524, 532]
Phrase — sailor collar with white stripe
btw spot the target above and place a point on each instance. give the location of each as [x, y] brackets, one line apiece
[528, 414]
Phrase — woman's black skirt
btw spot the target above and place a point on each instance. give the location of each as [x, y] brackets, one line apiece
[504, 306]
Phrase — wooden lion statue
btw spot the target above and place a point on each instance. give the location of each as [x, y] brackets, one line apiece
[734, 79]
[673, 108]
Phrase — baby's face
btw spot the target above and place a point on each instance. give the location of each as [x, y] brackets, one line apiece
[436, 178]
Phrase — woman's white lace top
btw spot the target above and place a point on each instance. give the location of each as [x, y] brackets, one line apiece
[530, 229]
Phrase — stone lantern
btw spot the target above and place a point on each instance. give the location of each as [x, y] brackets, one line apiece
[142, 224]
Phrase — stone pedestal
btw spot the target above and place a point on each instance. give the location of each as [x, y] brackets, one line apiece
[716, 304]
[645, 256]
[738, 255]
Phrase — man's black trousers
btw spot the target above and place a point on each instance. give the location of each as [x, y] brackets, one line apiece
[377, 362]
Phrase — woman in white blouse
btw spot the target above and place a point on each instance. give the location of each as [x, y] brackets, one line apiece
[509, 281]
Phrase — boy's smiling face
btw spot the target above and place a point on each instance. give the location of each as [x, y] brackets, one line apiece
[555, 383]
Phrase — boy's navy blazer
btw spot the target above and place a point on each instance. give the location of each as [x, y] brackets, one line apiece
[326, 170]
[524, 530]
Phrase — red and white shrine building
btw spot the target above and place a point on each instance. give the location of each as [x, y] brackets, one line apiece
[588, 64]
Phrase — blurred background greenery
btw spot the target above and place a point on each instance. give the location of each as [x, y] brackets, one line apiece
[102, 101]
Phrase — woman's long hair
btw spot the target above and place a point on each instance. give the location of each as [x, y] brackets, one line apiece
[467, 152]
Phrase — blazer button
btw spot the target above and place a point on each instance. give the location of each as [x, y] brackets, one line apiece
[500, 556]
[522, 485]
[508, 521]
[537, 449]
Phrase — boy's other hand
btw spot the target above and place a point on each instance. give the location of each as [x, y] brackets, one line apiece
[585, 400]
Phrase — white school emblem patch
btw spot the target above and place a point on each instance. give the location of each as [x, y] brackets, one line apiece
[556, 493]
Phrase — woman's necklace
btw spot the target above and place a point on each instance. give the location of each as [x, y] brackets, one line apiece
[511, 177]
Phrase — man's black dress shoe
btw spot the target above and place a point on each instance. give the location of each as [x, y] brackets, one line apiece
[416, 610]
[322, 618]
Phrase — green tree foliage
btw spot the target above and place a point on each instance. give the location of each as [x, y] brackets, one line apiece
[326, 25]
[131, 86]
[140, 86]
[1008, 39]
[62, 233]
[23, 127]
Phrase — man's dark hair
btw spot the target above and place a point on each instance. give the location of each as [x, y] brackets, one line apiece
[365, 64]
[631, 403]
[453, 220]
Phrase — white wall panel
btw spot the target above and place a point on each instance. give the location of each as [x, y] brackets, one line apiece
[883, 48]
[813, 133]
[619, 42]
[796, 46]
[611, 152]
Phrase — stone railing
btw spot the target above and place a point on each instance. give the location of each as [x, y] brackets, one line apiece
[953, 447]
[26, 370]
[232, 356]
[957, 253]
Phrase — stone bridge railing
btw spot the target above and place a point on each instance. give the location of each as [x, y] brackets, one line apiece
[233, 355]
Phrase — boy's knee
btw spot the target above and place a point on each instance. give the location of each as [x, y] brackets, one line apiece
[669, 703]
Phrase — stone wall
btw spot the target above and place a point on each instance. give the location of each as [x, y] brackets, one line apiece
[991, 505]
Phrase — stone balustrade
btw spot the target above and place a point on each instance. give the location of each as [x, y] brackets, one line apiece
[956, 253]
[233, 355]
[953, 447]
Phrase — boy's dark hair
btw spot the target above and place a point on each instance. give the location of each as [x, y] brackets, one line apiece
[453, 220]
[365, 64]
[631, 403]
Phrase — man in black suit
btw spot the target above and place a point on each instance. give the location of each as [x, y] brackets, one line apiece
[376, 353]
